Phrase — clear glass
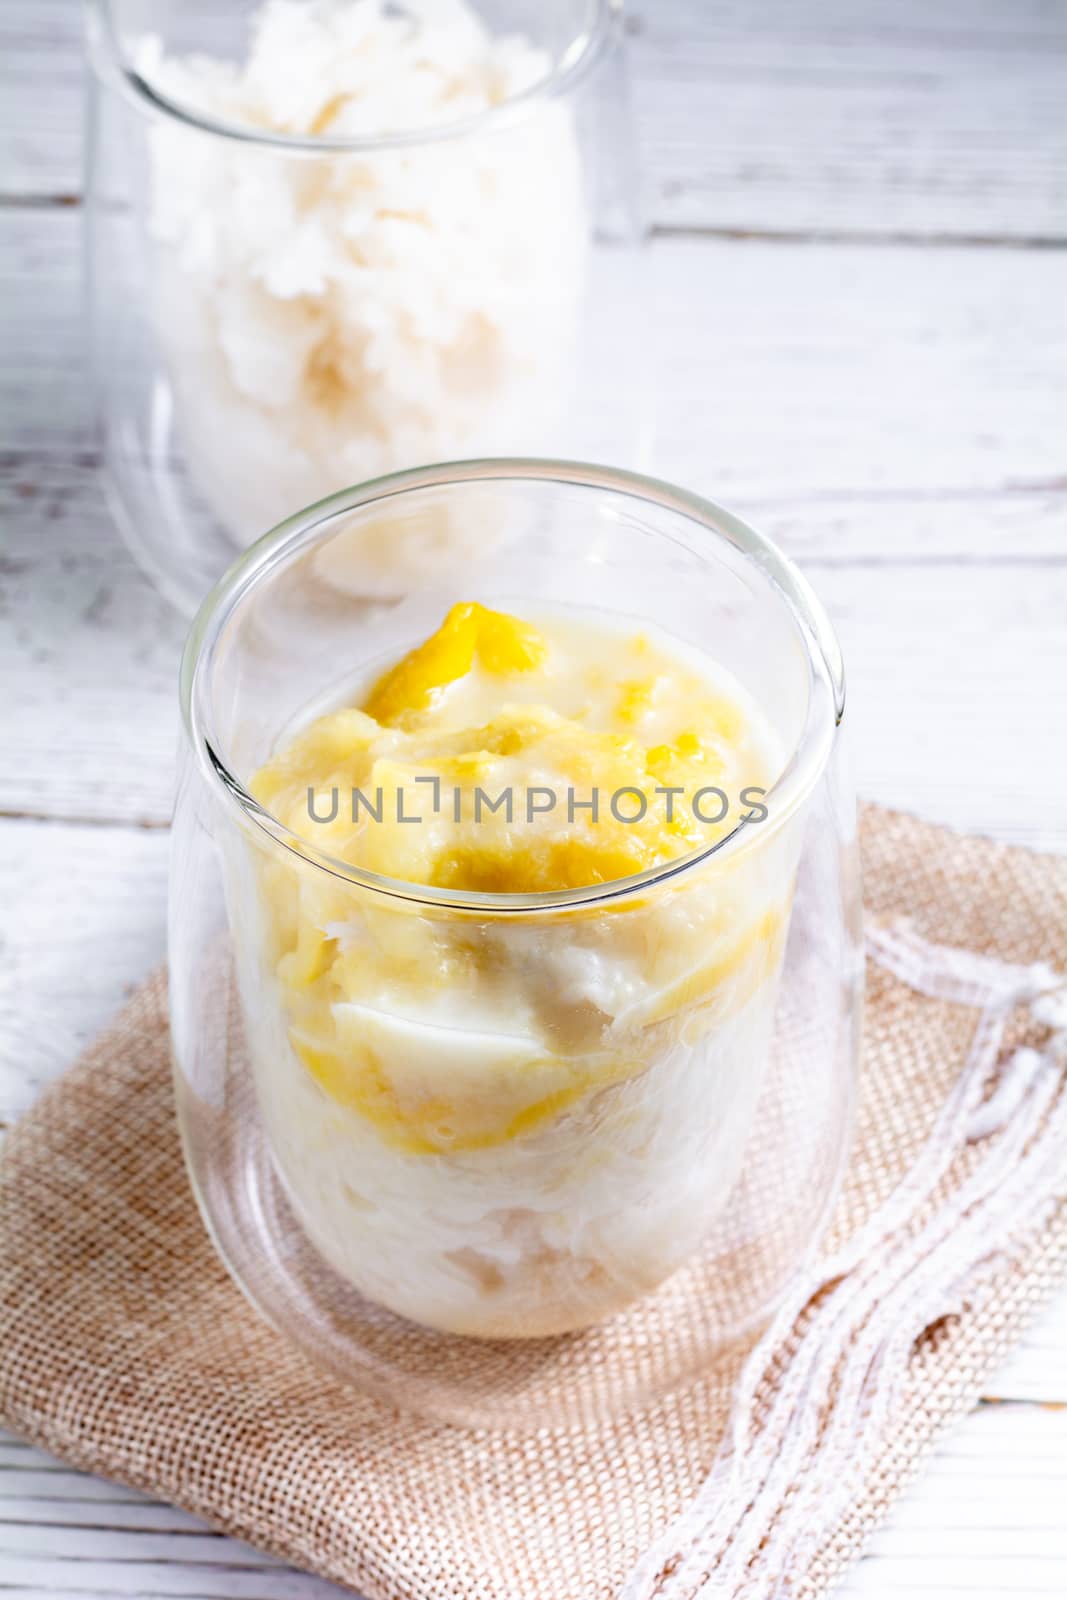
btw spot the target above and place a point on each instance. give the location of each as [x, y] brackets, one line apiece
[301, 277]
[588, 1250]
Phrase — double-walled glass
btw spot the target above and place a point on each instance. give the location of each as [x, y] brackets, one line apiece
[331, 241]
[488, 1239]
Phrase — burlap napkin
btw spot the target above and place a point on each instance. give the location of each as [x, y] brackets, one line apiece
[125, 1349]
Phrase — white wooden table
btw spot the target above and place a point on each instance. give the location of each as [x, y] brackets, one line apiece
[865, 202]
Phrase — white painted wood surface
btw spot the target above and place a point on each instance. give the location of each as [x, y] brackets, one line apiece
[878, 377]
[926, 118]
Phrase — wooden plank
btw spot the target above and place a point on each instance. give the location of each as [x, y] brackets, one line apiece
[45, 404]
[189, 1545]
[1037, 1371]
[958, 682]
[853, 116]
[958, 693]
[63, 499]
[41, 112]
[68, 1577]
[780, 373]
[138, 1515]
[793, 371]
[872, 528]
[69, 1535]
[95, 653]
[68, 892]
[856, 116]
[984, 1522]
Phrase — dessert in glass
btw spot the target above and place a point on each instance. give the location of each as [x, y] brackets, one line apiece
[514, 935]
[332, 238]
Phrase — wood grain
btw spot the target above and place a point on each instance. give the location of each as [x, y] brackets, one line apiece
[957, 674]
[783, 372]
[850, 117]
[983, 1521]
[74, 890]
[856, 117]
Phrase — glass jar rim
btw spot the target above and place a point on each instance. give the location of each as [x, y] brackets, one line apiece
[274, 549]
[572, 64]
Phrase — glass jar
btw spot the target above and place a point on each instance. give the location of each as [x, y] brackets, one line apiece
[330, 241]
[601, 1230]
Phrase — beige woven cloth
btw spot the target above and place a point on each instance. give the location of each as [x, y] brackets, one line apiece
[125, 1349]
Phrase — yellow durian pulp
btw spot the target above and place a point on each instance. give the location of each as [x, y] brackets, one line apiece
[436, 1031]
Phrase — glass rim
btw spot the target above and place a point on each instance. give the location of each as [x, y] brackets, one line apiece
[274, 549]
[572, 64]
